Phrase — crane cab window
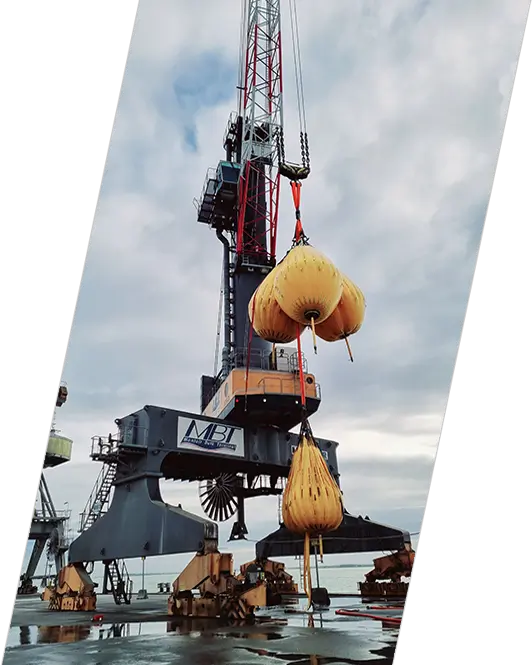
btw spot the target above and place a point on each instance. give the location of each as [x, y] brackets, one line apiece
[227, 175]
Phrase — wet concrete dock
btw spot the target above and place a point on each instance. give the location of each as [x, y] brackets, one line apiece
[141, 634]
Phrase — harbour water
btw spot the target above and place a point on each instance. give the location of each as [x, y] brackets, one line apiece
[337, 579]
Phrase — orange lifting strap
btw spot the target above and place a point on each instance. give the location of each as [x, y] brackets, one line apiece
[296, 195]
[298, 237]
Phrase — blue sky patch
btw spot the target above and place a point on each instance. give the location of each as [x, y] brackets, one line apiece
[204, 81]
[207, 80]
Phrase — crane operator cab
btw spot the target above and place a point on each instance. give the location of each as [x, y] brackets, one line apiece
[264, 392]
[216, 206]
[227, 175]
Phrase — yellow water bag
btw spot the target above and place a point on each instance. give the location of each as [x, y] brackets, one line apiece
[312, 501]
[269, 321]
[307, 285]
[348, 317]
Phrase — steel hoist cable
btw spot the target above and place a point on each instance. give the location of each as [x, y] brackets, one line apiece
[296, 172]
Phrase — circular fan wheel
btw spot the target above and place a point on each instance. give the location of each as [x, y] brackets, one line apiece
[217, 497]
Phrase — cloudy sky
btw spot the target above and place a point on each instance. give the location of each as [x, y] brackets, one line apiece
[406, 104]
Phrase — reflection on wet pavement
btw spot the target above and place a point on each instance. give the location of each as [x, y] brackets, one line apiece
[27, 635]
[144, 635]
[33, 635]
[298, 659]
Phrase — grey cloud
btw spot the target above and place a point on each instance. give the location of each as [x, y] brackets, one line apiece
[377, 484]
[406, 104]
[413, 467]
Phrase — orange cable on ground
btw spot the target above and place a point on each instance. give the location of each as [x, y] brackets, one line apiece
[365, 615]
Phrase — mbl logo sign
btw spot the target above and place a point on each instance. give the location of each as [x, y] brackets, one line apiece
[208, 436]
[212, 437]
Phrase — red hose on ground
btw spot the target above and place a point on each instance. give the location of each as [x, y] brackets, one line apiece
[364, 615]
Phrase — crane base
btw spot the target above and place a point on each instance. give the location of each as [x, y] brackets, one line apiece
[74, 591]
[73, 603]
[220, 595]
[235, 606]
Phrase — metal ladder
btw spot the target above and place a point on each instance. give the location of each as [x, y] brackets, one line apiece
[98, 501]
[117, 575]
[115, 571]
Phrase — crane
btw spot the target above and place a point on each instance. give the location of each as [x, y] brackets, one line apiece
[240, 445]
[48, 525]
[240, 202]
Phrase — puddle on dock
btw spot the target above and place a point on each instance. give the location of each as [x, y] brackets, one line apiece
[256, 641]
[31, 635]
[38, 635]
[21, 636]
[299, 659]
